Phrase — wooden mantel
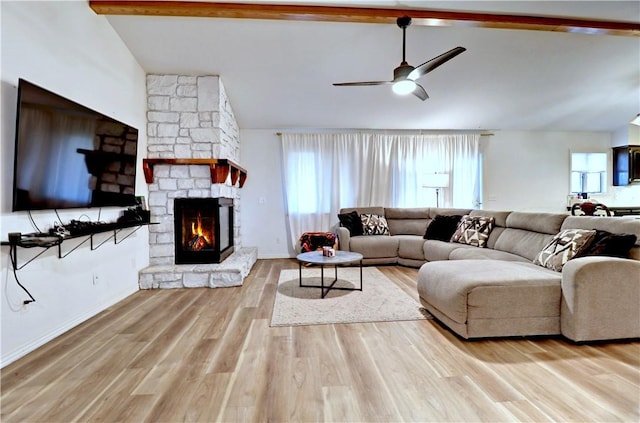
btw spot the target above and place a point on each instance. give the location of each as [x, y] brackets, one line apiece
[219, 168]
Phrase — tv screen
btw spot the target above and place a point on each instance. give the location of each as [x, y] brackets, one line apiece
[69, 156]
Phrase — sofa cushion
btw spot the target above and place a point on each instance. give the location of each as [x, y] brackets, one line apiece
[521, 242]
[406, 221]
[490, 289]
[412, 213]
[563, 247]
[484, 254]
[473, 230]
[440, 250]
[352, 222]
[374, 246]
[546, 223]
[442, 227]
[608, 244]
[410, 247]
[374, 224]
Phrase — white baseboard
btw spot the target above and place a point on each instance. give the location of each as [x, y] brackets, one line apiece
[273, 256]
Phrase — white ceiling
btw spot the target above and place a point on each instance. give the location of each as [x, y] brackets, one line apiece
[278, 74]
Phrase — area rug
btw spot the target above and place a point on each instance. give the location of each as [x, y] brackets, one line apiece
[379, 301]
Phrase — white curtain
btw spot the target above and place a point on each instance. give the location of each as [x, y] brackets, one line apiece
[325, 172]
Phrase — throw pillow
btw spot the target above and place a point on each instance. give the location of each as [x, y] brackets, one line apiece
[373, 224]
[473, 230]
[563, 247]
[613, 245]
[352, 222]
[442, 227]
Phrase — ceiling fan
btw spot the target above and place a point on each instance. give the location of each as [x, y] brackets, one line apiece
[405, 75]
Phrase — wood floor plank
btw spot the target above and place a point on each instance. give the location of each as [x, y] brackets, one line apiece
[107, 405]
[232, 341]
[370, 388]
[340, 404]
[209, 397]
[202, 355]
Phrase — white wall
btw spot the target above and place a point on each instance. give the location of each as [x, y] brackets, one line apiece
[529, 171]
[263, 220]
[66, 48]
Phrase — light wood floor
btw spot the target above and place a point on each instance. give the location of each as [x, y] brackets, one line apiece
[209, 354]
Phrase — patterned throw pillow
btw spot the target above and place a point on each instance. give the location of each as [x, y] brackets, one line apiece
[473, 230]
[563, 247]
[373, 224]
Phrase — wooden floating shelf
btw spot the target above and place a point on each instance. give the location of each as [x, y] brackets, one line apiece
[219, 168]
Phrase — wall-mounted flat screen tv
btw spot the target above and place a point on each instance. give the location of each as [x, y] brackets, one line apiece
[69, 156]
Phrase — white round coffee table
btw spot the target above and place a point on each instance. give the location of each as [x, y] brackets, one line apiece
[316, 258]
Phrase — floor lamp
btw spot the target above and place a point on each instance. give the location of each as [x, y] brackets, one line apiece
[437, 181]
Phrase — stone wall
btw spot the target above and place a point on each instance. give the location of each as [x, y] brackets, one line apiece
[188, 117]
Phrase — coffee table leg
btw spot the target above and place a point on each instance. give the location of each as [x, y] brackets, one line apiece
[300, 273]
[360, 275]
[322, 280]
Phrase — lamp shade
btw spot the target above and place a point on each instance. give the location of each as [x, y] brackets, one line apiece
[436, 180]
[636, 120]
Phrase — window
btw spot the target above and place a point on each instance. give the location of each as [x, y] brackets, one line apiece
[588, 173]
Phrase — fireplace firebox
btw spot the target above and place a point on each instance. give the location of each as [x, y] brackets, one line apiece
[203, 230]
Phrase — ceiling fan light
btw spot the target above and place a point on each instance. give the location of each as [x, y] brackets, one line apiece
[404, 87]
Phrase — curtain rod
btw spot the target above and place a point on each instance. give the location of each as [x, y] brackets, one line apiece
[482, 135]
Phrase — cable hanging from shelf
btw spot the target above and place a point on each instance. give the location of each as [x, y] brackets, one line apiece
[15, 274]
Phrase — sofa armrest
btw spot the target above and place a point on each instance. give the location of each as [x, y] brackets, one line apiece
[600, 299]
[344, 236]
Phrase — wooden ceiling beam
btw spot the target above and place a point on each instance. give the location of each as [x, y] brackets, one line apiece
[361, 15]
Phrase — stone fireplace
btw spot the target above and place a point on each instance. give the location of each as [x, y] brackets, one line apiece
[192, 135]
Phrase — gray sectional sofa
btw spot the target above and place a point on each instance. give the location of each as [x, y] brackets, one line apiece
[498, 291]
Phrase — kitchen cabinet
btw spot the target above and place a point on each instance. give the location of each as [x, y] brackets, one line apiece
[626, 165]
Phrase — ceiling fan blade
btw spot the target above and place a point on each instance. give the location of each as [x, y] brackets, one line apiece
[362, 84]
[420, 92]
[430, 65]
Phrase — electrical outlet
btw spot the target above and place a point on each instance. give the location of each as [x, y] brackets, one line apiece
[96, 279]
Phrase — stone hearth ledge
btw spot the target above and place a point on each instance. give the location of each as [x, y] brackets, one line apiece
[231, 272]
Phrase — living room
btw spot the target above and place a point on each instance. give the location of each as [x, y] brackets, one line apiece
[68, 49]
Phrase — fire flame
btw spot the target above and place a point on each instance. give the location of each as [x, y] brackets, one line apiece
[197, 231]
[199, 237]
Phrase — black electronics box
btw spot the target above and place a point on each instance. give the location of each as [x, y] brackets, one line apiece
[136, 215]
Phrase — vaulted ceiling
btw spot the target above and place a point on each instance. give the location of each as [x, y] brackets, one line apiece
[278, 73]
